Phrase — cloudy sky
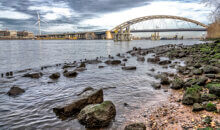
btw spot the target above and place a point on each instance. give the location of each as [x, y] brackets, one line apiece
[87, 15]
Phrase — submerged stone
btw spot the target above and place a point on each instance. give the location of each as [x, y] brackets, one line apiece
[14, 91]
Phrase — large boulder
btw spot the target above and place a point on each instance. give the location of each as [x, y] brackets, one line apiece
[55, 75]
[113, 62]
[129, 68]
[177, 83]
[70, 74]
[74, 107]
[97, 115]
[14, 91]
[135, 126]
[34, 75]
[192, 95]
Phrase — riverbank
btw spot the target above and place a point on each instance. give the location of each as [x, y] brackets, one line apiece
[194, 101]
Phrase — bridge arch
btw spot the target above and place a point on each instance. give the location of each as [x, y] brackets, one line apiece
[145, 18]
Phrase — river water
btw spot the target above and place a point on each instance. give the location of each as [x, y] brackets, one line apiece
[33, 109]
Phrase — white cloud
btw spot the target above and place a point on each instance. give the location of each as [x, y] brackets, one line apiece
[55, 11]
[194, 11]
[11, 13]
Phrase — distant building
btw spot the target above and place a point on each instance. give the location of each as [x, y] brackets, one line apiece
[25, 34]
[10, 34]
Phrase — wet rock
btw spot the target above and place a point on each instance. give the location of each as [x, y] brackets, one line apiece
[212, 76]
[82, 65]
[68, 66]
[197, 65]
[125, 104]
[7, 74]
[152, 69]
[2, 75]
[129, 68]
[210, 70]
[197, 107]
[74, 107]
[197, 71]
[113, 62]
[136, 126]
[192, 95]
[65, 71]
[164, 62]
[125, 59]
[85, 90]
[153, 60]
[101, 66]
[135, 49]
[208, 97]
[80, 69]
[214, 89]
[202, 81]
[182, 54]
[123, 64]
[177, 83]
[35, 75]
[55, 75]
[14, 91]
[156, 85]
[97, 115]
[118, 55]
[70, 74]
[140, 58]
[93, 61]
[164, 80]
[210, 107]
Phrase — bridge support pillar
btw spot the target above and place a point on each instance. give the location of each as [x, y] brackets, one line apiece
[123, 35]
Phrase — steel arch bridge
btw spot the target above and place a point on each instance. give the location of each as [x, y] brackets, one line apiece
[145, 18]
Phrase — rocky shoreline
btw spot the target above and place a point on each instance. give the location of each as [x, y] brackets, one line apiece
[194, 102]
[195, 88]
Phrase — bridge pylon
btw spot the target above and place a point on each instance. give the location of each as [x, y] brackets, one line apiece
[108, 35]
[123, 35]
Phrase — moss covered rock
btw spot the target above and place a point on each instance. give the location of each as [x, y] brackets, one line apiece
[177, 83]
[197, 107]
[208, 97]
[210, 107]
[214, 88]
[192, 95]
[97, 115]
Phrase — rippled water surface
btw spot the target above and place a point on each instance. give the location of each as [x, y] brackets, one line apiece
[33, 109]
